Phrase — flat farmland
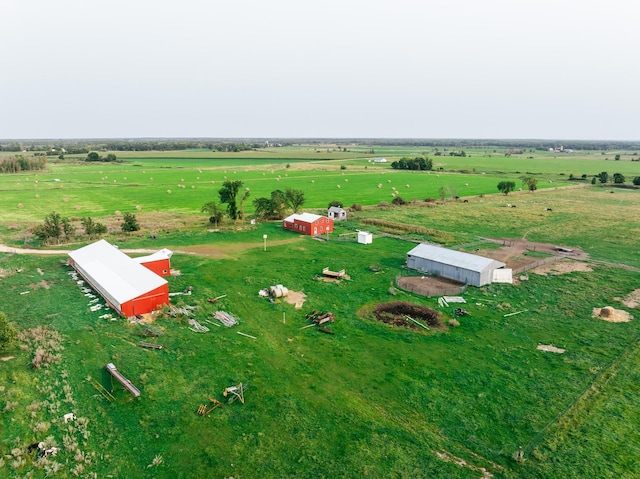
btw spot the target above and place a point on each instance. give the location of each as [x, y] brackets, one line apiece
[370, 400]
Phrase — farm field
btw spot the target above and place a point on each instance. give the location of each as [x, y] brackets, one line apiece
[371, 400]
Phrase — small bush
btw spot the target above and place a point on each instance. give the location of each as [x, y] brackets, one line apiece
[454, 323]
[356, 207]
[398, 201]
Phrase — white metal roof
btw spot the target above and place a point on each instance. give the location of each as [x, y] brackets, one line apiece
[164, 253]
[471, 262]
[120, 277]
[306, 217]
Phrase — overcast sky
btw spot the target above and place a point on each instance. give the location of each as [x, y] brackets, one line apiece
[552, 69]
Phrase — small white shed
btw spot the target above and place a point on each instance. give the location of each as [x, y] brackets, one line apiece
[364, 237]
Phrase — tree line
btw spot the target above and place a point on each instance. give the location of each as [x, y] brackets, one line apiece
[56, 228]
[16, 164]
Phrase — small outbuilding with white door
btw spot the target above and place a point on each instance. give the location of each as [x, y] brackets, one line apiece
[126, 285]
[456, 265]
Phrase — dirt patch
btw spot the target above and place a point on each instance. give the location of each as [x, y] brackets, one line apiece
[430, 285]
[329, 279]
[296, 298]
[41, 284]
[448, 457]
[612, 315]
[512, 252]
[633, 299]
[396, 314]
[550, 348]
[562, 267]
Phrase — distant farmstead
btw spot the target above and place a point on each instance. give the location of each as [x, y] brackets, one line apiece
[456, 265]
[127, 286]
[308, 224]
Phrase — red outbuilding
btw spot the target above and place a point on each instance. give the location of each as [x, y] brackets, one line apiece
[308, 224]
[125, 284]
[158, 262]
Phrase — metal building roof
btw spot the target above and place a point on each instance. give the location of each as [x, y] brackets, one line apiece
[121, 277]
[471, 262]
[306, 217]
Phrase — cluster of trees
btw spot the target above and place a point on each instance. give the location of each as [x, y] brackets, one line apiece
[56, 228]
[93, 156]
[228, 195]
[16, 164]
[234, 197]
[417, 163]
[278, 203]
[618, 178]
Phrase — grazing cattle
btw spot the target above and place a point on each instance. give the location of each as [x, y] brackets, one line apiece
[50, 452]
[549, 209]
[508, 205]
[69, 417]
[465, 201]
[35, 446]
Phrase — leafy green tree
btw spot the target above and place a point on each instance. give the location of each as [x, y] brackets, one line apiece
[215, 212]
[294, 199]
[243, 198]
[603, 177]
[228, 195]
[129, 223]
[92, 228]
[636, 181]
[93, 156]
[271, 208]
[8, 333]
[506, 187]
[617, 157]
[111, 157]
[593, 180]
[531, 183]
[51, 229]
[618, 178]
[337, 204]
[68, 229]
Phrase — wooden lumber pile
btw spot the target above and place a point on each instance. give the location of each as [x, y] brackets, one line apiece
[196, 327]
[176, 311]
[320, 317]
[225, 318]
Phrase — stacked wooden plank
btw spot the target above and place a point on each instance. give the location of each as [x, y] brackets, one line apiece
[225, 318]
[196, 327]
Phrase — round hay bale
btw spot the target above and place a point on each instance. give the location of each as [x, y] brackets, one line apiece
[20, 205]
[607, 312]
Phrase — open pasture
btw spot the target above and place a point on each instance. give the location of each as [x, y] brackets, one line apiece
[182, 186]
[371, 400]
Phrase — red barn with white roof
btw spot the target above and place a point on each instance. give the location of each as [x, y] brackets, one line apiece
[308, 224]
[125, 284]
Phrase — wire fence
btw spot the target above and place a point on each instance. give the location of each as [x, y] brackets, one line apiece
[529, 266]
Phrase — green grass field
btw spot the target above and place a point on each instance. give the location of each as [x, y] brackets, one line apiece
[371, 400]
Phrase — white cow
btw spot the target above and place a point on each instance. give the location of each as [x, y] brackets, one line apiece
[69, 417]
